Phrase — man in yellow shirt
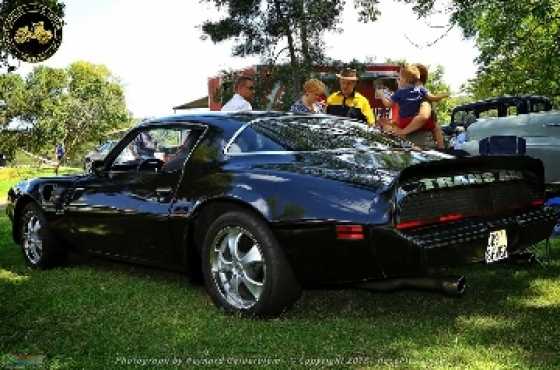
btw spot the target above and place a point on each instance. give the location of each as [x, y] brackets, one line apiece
[349, 103]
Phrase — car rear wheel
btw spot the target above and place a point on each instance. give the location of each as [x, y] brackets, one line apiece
[245, 270]
[39, 247]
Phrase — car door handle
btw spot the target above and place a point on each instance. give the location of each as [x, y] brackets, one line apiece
[552, 124]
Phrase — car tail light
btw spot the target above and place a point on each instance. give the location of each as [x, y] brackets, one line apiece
[450, 217]
[441, 219]
[537, 202]
[410, 224]
[350, 232]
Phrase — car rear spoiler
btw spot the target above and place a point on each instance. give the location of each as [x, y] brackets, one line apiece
[467, 165]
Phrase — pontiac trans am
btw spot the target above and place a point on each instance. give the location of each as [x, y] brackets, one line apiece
[261, 205]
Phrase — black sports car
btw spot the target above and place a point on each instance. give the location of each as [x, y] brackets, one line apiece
[263, 204]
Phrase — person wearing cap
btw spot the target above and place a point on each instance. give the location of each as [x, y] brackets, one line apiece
[348, 102]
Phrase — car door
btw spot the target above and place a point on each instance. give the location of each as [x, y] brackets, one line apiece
[124, 210]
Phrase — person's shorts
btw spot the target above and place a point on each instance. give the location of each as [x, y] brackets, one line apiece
[428, 126]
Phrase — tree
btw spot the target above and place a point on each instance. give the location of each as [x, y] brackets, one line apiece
[76, 106]
[436, 85]
[6, 6]
[270, 28]
[519, 43]
[12, 91]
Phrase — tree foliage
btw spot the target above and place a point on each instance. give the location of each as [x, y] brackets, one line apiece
[76, 106]
[519, 43]
[436, 85]
[275, 28]
[6, 6]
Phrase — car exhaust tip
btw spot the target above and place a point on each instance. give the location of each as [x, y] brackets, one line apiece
[454, 286]
[451, 286]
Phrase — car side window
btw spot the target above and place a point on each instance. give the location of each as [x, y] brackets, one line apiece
[161, 143]
[174, 161]
[252, 141]
[490, 113]
[464, 118]
[538, 107]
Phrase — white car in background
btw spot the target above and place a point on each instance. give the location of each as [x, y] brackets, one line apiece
[99, 153]
[529, 117]
[541, 131]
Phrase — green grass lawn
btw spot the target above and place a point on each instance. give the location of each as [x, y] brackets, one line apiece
[9, 176]
[98, 314]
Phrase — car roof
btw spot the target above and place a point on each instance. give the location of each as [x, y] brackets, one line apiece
[227, 122]
[217, 119]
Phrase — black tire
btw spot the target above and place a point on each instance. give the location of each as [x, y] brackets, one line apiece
[279, 288]
[51, 253]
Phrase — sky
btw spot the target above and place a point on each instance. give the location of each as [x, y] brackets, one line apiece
[159, 56]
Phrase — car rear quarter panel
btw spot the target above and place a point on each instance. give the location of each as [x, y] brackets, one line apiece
[287, 197]
[302, 212]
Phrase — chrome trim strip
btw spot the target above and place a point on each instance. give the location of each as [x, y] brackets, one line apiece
[235, 135]
[278, 152]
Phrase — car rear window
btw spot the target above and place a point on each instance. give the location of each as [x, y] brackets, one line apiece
[309, 134]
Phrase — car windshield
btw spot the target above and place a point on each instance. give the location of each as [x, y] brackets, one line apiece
[310, 134]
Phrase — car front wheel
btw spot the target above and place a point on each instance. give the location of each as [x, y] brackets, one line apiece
[245, 270]
[39, 247]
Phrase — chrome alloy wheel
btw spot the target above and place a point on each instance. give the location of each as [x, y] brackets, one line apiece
[238, 267]
[32, 243]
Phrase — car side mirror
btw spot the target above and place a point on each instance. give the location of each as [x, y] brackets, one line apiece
[97, 167]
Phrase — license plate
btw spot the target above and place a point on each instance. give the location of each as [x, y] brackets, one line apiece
[497, 246]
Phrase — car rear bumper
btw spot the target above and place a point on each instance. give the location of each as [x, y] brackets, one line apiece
[318, 258]
[465, 242]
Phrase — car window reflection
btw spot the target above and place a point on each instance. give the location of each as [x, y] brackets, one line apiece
[309, 134]
[164, 144]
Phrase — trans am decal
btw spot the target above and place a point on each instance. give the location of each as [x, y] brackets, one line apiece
[461, 180]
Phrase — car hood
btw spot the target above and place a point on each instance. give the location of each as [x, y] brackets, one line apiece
[366, 168]
[538, 124]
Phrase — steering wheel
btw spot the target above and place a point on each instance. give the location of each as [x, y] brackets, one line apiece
[150, 163]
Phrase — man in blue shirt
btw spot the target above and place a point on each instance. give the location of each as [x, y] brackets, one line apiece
[59, 154]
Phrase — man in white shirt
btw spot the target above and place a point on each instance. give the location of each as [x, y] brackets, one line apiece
[244, 92]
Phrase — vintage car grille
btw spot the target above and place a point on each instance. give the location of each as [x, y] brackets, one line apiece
[481, 200]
